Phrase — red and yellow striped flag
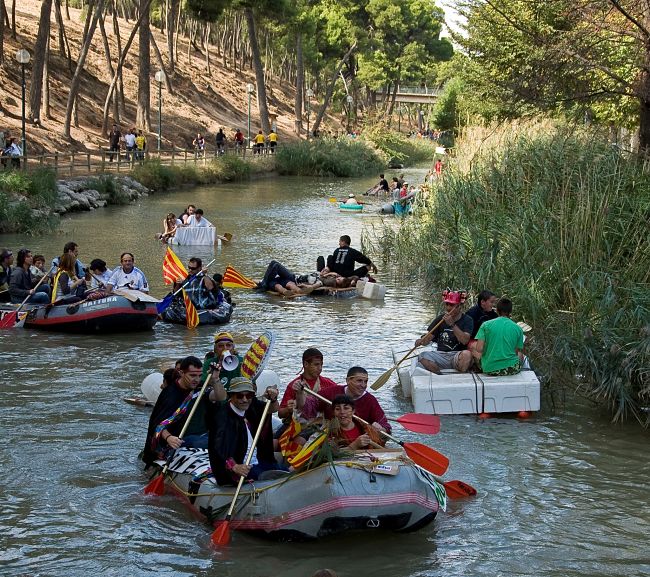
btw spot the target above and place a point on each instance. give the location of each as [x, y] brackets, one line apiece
[288, 446]
[234, 279]
[191, 316]
[307, 452]
[172, 268]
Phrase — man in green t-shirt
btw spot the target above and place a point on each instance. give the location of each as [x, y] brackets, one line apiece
[223, 342]
[500, 343]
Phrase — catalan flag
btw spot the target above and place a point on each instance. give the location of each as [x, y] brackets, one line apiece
[234, 279]
[172, 268]
[191, 316]
[288, 446]
[306, 454]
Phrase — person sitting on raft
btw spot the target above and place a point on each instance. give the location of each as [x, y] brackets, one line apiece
[100, 275]
[174, 405]
[128, 275]
[223, 343]
[343, 429]
[199, 287]
[67, 287]
[22, 286]
[197, 220]
[343, 259]
[170, 225]
[452, 337]
[279, 278]
[232, 428]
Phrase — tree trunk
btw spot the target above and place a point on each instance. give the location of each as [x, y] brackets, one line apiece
[300, 81]
[330, 88]
[207, 48]
[76, 78]
[118, 38]
[2, 31]
[13, 20]
[67, 10]
[259, 72]
[143, 115]
[59, 24]
[120, 64]
[46, 82]
[40, 53]
[171, 27]
[109, 67]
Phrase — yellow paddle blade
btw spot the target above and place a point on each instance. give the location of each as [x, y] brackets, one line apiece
[381, 381]
[332, 199]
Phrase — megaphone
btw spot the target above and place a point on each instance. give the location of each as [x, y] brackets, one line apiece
[229, 361]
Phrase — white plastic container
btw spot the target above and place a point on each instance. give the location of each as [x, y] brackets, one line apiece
[372, 290]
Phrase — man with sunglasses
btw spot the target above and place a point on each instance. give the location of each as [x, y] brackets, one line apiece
[232, 428]
[201, 288]
[173, 407]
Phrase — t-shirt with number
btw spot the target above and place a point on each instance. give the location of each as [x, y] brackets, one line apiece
[133, 280]
[444, 335]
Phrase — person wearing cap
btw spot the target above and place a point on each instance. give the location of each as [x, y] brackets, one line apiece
[232, 428]
[343, 259]
[174, 405]
[6, 260]
[452, 337]
[356, 387]
[223, 343]
[312, 367]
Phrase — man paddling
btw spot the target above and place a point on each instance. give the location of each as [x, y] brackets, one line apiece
[199, 287]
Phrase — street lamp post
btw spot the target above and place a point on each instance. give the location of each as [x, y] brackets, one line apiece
[249, 89]
[160, 78]
[310, 95]
[23, 57]
[350, 100]
[399, 118]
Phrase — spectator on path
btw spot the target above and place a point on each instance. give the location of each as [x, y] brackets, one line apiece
[114, 139]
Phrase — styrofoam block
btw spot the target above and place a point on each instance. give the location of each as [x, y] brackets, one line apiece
[374, 291]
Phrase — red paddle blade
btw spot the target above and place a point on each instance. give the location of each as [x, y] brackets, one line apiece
[419, 423]
[459, 490]
[221, 535]
[156, 486]
[427, 458]
[8, 321]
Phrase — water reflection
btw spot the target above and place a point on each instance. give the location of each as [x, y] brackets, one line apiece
[559, 495]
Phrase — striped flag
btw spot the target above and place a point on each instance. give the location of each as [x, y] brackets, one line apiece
[307, 452]
[234, 279]
[191, 316]
[288, 446]
[172, 268]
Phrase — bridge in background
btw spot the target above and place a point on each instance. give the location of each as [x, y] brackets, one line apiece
[413, 95]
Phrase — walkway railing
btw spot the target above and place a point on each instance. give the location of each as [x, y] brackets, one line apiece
[103, 160]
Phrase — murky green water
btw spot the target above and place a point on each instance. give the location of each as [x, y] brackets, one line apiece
[563, 494]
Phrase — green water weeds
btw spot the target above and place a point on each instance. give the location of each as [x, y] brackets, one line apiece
[559, 221]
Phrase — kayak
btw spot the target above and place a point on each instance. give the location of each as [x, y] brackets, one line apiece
[367, 491]
[110, 314]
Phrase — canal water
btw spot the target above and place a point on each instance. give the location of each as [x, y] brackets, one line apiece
[562, 494]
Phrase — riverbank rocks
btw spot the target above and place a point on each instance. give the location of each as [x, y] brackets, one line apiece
[80, 194]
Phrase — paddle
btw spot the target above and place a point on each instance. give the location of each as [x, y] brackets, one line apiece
[157, 485]
[459, 489]
[12, 318]
[164, 304]
[419, 423]
[383, 379]
[420, 454]
[227, 236]
[221, 535]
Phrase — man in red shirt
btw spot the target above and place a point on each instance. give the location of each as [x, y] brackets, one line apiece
[312, 367]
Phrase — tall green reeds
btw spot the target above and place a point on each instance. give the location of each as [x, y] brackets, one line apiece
[558, 220]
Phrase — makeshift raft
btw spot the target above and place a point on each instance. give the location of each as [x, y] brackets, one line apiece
[454, 393]
[176, 314]
[373, 490]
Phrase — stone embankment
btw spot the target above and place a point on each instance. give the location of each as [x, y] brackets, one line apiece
[78, 194]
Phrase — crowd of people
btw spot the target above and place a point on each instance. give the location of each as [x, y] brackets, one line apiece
[67, 280]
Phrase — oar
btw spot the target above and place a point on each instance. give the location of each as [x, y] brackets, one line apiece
[12, 318]
[383, 379]
[420, 454]
[163, 305]
[227, 236]
[419, 423]
[221, 535]
[459, 489]
[157, 485]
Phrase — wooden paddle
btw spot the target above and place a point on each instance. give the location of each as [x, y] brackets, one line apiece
[227, 237]
[157, 485]
[12, 318]
[420, 454]
[383, 379]
[419, 423]
[221, 535]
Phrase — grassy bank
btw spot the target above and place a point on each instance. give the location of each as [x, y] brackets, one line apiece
[557, 220]
[398, 148]
[25, 200]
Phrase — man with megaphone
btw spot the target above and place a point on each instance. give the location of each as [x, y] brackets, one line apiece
[225, 354]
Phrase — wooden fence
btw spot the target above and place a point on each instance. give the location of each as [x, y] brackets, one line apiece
[106, 161]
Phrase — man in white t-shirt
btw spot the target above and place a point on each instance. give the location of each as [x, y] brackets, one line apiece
[128, 276]
[197, 219]
[129, 143]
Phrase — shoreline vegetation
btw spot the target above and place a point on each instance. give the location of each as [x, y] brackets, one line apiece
[555, 218]
[31, 202]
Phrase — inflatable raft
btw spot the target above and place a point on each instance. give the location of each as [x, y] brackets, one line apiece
[345, 207]
[111, 314]
[176, 314]
[370, 491]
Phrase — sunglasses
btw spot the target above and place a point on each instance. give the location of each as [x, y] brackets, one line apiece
[192, 268]
[244, 395]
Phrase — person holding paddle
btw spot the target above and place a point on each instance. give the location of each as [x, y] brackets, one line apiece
[21, 284]
[451, 331]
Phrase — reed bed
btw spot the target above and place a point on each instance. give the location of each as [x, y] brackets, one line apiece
[558, 220]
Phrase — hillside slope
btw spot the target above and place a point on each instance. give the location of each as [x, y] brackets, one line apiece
[199, 103]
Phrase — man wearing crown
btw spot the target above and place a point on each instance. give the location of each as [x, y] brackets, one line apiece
[451, 331]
